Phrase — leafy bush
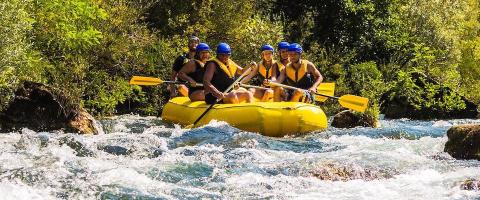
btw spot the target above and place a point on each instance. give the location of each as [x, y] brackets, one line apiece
[18, 61]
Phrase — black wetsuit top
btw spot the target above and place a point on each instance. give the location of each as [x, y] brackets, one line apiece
[197, 76]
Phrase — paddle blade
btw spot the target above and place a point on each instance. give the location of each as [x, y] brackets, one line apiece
[326, 89]
[142, 80]
[353, 102]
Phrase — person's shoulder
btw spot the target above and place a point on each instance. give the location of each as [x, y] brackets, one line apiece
[191, 62]
[275, 63]
[309, 63]
[210, 63]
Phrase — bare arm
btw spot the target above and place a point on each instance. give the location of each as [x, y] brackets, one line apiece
[281, 77]
[173, 76]
[274, 72]
[209, 71]
[250, 75]
[318, 77]
[186, 69]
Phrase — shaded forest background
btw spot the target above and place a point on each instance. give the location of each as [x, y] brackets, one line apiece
[373, 48]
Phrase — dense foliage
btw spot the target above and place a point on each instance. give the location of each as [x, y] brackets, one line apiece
[90, 48]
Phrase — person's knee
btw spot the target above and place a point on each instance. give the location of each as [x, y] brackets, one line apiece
[243, 89]
[245, 93]
[197, 96]
[298, 92]
[230, 95]
[269, 92]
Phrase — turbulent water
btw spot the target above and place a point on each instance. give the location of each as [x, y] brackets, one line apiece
[143, 158]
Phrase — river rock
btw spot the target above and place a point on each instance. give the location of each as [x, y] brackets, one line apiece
[115, 150]
[349, 119]
[464, 141]
[337, 172]
[396, 105]
[470, 184]
[42, 108]
[81, 149]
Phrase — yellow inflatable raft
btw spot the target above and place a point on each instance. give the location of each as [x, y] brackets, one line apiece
[274, 119]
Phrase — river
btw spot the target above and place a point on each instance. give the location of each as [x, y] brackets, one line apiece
[144, 158]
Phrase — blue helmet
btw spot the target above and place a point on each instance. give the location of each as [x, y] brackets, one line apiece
[283, 45]
[295, 47]
[224, 48]
[267, 47]
[202, 47]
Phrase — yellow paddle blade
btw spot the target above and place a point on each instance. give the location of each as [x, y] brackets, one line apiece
[143, 80]
[353, 102]
[326, 89]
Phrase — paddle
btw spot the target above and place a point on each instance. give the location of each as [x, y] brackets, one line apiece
[143, 80]
[245, 73]
[353, 102]
[254, 86]
[323, 88]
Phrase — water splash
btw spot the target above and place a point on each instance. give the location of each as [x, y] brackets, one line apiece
[144, 158]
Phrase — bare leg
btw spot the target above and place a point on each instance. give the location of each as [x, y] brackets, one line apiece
[267, 95]
[245, 96]
[182, 90]
[239, 96]
[297, 95]
[262, 94]
[257, 93]
[280, 94]
[231, 97]
[198, 95]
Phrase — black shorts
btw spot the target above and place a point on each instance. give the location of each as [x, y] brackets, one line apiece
[210, 99]
[193, 89]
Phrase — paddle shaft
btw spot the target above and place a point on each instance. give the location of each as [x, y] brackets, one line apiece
[294, 88]
[254, 86]
[227, 90]
[174, 82]
[185, 83]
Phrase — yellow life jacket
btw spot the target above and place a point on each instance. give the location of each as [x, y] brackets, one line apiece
[263, 70]
[280, 66]
[294, 74]
[229, 69]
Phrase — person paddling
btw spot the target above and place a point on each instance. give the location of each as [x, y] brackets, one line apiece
[178, 64]
[264, 71]
[279, 66]
[193, 72]
[220, 73]
[300, 73]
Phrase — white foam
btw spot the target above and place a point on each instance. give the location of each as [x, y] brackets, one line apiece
[442, 123]
[18, 191]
